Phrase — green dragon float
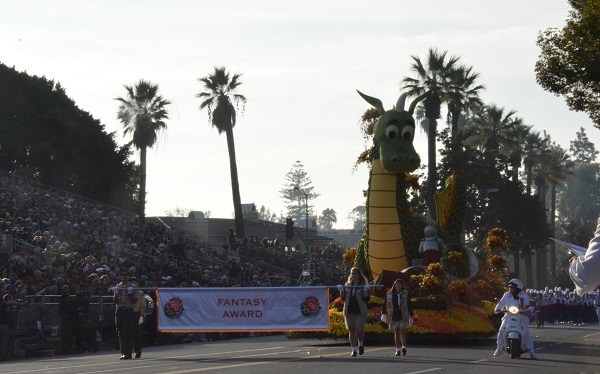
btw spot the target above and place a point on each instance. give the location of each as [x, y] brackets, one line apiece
[392, 233]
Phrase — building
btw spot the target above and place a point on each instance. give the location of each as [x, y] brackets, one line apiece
[215, 230]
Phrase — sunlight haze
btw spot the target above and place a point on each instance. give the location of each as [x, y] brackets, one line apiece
[301, 61]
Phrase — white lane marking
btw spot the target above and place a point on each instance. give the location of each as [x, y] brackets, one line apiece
[213, 354]
[196, 370]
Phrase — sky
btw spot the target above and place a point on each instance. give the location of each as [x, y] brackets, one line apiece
[301, 61]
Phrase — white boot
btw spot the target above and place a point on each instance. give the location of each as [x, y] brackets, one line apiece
[498, 351]
[533, 355]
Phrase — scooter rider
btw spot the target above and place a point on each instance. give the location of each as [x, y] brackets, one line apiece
[517, 298]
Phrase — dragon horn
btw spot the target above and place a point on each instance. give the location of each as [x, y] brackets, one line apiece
[415, 101]
[400, 103]
[373, 101]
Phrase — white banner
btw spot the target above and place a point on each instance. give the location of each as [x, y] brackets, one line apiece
[243, 309]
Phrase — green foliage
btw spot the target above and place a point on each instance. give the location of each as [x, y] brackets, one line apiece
[433, 74]
[44, 136]
[579, 203]
[358, 216]
[583, 150]
[412, 226]
[361, 260]
[568, 63]
[493, 200]
[457, 215]
[327, 219]
[297, 183]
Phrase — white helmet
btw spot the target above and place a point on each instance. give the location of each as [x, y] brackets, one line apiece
[517, 283]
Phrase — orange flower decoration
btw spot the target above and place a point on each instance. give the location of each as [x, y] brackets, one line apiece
[349, 256]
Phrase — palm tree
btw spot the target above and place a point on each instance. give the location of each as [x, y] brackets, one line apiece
[327, 219]
[552, 170]
[462, 95]
[491, 129]
[518, 133]
[434, 76]
[143, 113]
[219, 99]
[535, 147]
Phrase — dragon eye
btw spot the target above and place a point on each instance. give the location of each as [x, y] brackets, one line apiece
[408, 132]
[391, 131]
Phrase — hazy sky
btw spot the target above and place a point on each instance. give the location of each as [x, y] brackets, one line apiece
[301, 63]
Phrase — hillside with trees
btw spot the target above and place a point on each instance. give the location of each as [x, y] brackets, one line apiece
[45, 137]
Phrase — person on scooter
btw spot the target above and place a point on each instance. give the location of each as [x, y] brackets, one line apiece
[517, 298]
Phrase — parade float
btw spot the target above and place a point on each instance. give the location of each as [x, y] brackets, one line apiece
[452, 297]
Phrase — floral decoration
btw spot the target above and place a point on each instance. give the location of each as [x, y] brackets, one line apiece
[497, 262]
[496, 241]
[349, 255]
[454, 257]
[459, 290]
[436, 269]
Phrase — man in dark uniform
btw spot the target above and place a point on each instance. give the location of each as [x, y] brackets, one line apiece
[124, 299]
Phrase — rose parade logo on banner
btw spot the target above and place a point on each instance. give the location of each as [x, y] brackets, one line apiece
[173, 309]
[310, 308]
[243, 309]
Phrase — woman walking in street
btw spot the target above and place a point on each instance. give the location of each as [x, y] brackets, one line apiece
[355, 294]
[397, 311]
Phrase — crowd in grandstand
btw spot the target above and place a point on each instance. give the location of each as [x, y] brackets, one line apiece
[54, 243]
[82, 244]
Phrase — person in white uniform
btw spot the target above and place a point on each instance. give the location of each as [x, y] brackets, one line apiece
[517, 298]
[585, 270]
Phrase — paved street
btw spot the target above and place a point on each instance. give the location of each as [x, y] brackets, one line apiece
[562, 349]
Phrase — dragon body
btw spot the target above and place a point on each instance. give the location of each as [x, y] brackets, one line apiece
[392, 233]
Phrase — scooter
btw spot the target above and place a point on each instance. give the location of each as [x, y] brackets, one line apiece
[513, 331]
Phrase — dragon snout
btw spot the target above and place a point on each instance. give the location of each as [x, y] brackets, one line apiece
[404, 157]
[403, 161]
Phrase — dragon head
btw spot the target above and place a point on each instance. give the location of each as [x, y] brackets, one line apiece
[394, 134]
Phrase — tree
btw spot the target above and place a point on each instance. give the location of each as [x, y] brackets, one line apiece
[327, 219]
[568, 64]
[582, 149]
[358, 216]
[221, 100]
[433, 76]
[535, 147]
[579, 197]
[46, 137]
[462, 95]
[515, 149]
[578, 206]
[297, 184]
[266, 215]
[178, 212]
[552, 170]
[142, 113]
[494, 200]
[491, 128]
